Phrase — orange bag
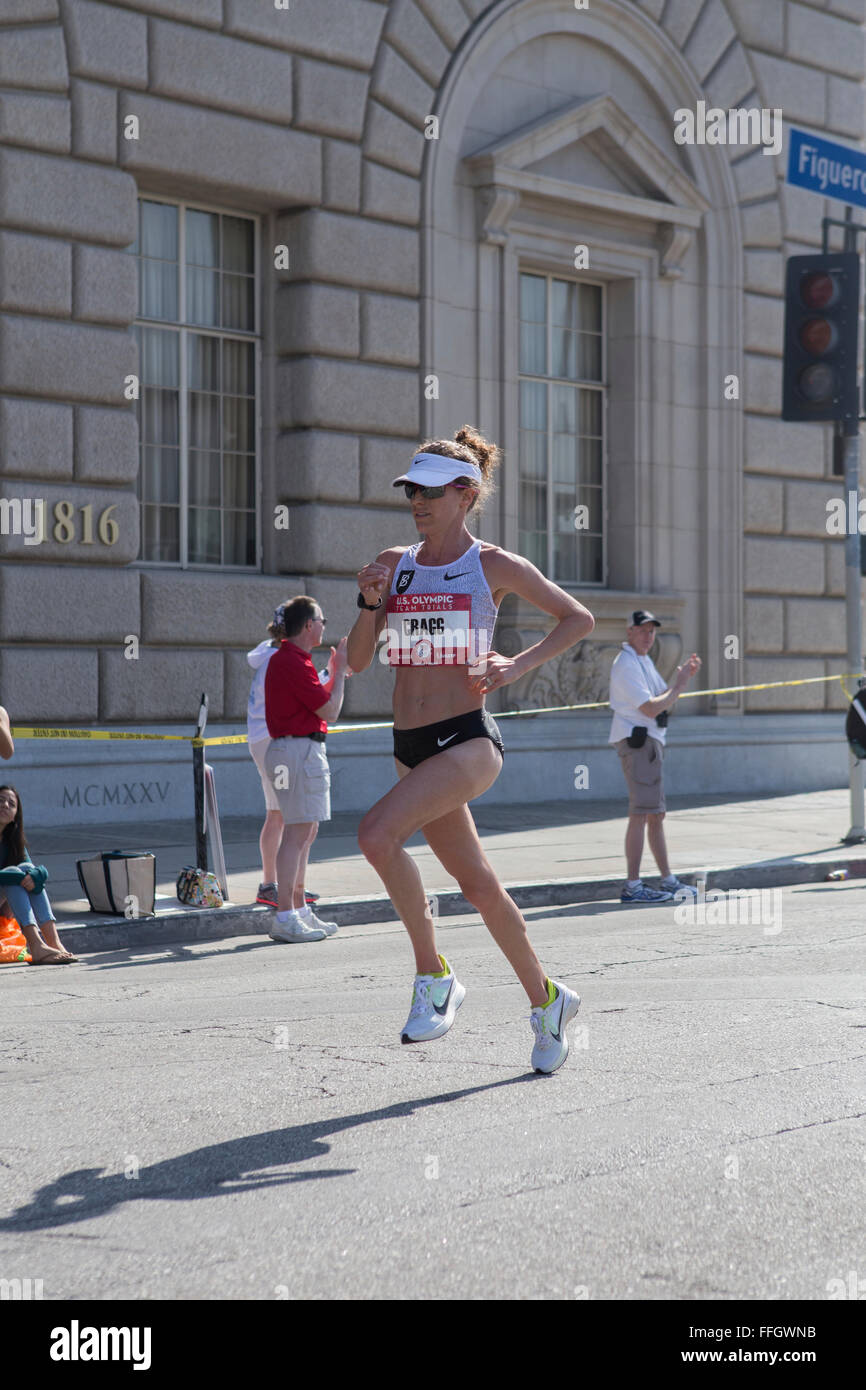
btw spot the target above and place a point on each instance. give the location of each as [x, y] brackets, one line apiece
[13, 945]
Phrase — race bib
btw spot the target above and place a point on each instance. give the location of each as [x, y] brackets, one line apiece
[429, 630]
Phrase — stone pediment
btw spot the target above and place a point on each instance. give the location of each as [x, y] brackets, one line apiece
[592, 154]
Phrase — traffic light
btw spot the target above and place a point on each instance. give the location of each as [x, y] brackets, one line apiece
[822, 305]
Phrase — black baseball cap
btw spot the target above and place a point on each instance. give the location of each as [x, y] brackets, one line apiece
[640, 617]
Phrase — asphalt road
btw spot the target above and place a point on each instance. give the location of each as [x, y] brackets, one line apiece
[240, 1120]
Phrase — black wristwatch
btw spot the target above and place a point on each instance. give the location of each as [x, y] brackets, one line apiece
[370, 607]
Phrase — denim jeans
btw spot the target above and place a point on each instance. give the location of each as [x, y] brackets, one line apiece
[26, 907]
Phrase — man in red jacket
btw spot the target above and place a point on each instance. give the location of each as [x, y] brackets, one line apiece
[298, 709]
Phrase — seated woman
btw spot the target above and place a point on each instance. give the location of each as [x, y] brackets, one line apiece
[22, 884]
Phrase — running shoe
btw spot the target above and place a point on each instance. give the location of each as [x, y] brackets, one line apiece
[267, 894]
[549, 1023]
[311, 897]
[307, 915]
[675, 885]
[294, 929]
[643, 894]
[435, 1001]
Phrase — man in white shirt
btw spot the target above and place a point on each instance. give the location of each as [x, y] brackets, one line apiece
[638, 695]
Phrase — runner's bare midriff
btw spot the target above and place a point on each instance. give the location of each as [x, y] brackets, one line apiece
[428, 694]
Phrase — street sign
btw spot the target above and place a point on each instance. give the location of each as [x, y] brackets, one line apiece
[825, 167]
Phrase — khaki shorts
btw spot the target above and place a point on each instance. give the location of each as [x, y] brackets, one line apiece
[643, 773]
[257, 751]
[299, 773]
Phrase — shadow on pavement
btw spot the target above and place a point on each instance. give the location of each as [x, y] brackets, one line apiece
[155, 955]
[217, 1170]
[594, 909]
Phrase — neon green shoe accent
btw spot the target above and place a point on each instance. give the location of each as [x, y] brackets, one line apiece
[551, 993]
[440, 974]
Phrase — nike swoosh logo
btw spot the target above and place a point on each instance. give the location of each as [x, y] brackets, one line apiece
[557, 1031]
[443, 741]
[455, 576]
[442, 1009]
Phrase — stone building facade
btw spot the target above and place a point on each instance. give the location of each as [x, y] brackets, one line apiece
[319, 231]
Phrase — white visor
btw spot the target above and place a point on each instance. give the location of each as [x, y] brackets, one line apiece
[434, 470]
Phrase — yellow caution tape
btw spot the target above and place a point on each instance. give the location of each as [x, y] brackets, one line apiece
[687, 695]
[90, 733]
[226, 738]
[28, 732]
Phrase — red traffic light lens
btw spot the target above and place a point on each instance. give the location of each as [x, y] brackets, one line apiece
[819, 290]
[818, 336]
[817, 384]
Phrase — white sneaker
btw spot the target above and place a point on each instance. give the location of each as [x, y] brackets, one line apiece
[435, 1001]
[307, 915]
[549, 1023]
[290, 926]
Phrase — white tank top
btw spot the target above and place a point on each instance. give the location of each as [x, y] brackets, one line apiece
[439, 615]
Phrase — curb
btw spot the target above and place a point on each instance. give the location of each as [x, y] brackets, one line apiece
[175, 927]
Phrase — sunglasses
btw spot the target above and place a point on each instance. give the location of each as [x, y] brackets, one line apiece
[429, 493]
[323, 621]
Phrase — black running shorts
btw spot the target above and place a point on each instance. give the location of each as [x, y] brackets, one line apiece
[412, 746]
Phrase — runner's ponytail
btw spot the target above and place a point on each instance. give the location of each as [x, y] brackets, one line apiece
[471, 447]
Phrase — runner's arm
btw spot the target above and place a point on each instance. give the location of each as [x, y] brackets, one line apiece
[507, 573]
[374, 581]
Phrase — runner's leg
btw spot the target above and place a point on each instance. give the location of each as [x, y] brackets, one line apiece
[454, 840]
[427, 792]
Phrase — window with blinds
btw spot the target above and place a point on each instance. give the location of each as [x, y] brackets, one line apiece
[197, 335]
[561, 415]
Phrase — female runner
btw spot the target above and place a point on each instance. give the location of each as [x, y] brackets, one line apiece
[439, 598]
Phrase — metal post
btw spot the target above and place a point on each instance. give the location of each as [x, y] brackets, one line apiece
[853, 591]
[198, 783]
[853, 620]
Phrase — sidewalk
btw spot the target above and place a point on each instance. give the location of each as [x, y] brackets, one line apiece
[555, 852]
